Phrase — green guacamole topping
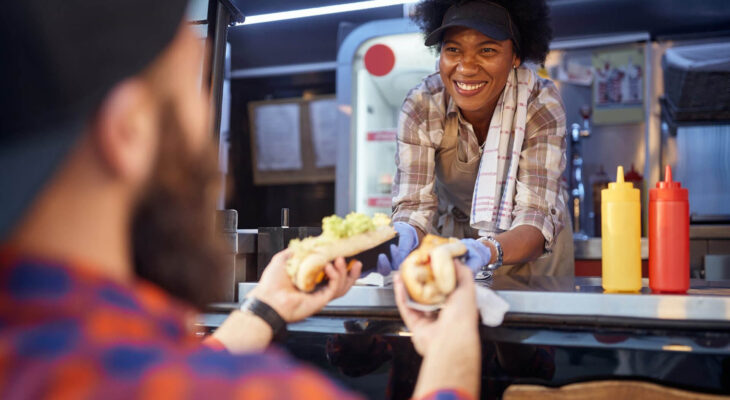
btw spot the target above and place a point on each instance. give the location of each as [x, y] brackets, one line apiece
[334, 226]
[356, 223]
[353, 224]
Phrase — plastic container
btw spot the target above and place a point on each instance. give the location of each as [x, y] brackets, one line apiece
[634, 177]
[668, 236]
[621, 236]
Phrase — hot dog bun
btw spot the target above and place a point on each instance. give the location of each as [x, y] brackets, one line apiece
[311, 255]
[428, 272]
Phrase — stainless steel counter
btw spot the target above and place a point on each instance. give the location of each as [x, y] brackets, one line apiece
[579, 296]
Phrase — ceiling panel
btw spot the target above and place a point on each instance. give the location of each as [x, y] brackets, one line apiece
[255, 7]
[315, 39]
[306, 40]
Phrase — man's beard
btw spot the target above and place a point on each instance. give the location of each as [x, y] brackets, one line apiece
[174, 239]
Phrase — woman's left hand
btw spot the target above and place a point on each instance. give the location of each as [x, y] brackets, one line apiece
[477, 255]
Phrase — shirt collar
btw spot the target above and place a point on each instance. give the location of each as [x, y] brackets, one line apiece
[451, 108]
[452, 111]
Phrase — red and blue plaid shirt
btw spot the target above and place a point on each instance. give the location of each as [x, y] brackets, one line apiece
[67, 332]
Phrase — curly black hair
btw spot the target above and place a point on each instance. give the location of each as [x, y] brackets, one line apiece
[531, 17]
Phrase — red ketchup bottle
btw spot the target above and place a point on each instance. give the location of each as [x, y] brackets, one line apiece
[668, 236]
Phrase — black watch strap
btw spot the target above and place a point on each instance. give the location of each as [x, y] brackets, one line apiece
[265, 312]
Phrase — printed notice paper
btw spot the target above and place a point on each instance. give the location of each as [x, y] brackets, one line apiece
[278, 141]
[323, 117]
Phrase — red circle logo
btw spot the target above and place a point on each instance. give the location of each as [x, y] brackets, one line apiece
[379, 60]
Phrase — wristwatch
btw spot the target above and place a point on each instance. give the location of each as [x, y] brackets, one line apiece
[266, 313]
[498, 263]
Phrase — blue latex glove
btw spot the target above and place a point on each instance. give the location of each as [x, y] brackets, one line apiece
[477, 254]
[407, 242]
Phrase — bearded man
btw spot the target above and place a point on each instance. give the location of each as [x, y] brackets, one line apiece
[107, 199]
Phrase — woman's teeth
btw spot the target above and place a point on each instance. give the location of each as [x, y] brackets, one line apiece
[466, 86]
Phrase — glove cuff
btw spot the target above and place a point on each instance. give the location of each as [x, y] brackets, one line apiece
[405, 229]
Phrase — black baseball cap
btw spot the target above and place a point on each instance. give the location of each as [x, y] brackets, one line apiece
[487, 17]
[60, 59]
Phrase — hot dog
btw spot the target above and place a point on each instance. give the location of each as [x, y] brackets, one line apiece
[340, 238]
[428, 272]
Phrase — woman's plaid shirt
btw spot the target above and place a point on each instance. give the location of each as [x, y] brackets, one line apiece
[540, 198]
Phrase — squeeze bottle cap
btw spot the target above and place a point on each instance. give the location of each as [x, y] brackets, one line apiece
[668, 182]
[620, 184]
[620, 190]
[668, 189]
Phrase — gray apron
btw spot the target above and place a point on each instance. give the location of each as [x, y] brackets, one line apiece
[454, 186]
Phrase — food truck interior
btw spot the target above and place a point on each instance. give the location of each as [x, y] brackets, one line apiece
[345, 142]
[306, 97]
[309, 109]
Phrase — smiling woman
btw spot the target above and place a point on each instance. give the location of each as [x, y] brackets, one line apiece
[481, 143]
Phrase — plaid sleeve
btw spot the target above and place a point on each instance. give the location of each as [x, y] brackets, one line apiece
[414, 199]
[219, 374]
[538, 199]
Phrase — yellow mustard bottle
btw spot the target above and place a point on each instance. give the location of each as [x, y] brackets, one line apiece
[621, 241]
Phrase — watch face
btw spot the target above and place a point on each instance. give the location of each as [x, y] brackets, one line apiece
[483, 275]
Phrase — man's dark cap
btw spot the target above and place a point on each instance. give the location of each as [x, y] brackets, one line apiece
[60, 58]
[486, 17]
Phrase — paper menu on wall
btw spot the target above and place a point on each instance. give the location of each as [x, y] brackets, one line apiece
[323, 117]
[278, 141]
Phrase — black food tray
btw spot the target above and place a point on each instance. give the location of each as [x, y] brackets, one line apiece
[369, 258]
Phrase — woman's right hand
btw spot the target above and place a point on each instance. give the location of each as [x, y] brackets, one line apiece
[407, 242]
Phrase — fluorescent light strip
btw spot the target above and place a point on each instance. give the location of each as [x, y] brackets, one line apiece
[312, 12]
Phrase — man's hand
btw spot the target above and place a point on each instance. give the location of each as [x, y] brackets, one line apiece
[276, 289]
[458, 315]
[449, 342]
[243, 332]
